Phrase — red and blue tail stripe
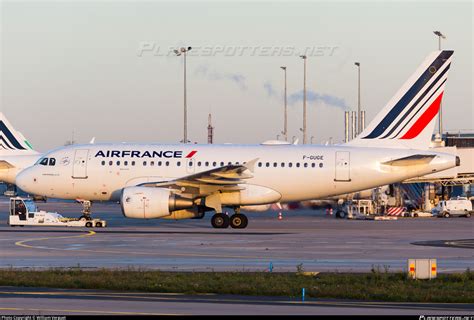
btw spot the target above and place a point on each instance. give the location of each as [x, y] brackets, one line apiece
[407, 107]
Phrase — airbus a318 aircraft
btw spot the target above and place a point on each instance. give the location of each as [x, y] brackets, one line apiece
[184, 181]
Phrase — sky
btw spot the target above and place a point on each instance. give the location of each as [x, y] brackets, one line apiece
[107, 69]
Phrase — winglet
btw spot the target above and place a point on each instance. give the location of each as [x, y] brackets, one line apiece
[250, 165]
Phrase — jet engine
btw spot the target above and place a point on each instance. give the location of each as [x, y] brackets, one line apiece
[150, 203]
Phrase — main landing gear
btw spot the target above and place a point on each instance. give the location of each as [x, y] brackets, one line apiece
[236, 221]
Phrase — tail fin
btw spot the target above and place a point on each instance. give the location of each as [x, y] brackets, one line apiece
[407, 121]
[12, 142]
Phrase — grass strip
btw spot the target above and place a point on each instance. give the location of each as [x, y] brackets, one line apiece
[380, 286]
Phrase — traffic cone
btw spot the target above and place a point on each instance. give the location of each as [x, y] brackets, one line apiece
[280, 216]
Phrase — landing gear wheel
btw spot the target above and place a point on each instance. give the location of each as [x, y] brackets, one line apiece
[88, 224]
[239, 221]
[341, 214]
[98, 225]
[220, 221]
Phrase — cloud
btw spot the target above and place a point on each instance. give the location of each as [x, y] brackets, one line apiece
[271, 92]
[206, 72]
[312, 96]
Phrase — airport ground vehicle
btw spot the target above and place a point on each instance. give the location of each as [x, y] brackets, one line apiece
[23, 212]
[459, 206]
[416, 214]
[355, 209]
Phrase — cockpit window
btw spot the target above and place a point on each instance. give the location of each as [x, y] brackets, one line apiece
[52, 161]
[44, 162]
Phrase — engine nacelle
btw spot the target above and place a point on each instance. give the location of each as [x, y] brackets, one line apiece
[150, 203]
[257, 208]
[192, 213]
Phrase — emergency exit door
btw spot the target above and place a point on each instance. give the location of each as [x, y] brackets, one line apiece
[343, 166]
[79, 169]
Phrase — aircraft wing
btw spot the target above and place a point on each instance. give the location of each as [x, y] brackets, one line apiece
[5, 165]
[416, 159]
[222, 178]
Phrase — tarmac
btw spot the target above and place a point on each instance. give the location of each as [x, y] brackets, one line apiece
[84, 302]
[307, 238]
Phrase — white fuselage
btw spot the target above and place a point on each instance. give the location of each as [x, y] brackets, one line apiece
[102, 171]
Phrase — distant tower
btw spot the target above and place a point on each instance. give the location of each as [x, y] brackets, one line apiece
[210, 130]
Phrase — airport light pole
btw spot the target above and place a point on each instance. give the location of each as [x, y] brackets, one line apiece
[359, 125]
[304, 100]
[182, 51]
[440, 112]
[285, 124]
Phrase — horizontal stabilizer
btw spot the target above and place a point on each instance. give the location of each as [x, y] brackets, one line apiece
[417, 159]
[5, 165]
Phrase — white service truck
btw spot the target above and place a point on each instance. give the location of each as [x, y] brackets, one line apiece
[459, 206]
[23, 212]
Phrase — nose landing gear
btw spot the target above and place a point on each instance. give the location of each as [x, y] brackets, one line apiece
[86, 210]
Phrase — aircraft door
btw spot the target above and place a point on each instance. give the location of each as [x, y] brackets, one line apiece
[343, 166]
[79, 169]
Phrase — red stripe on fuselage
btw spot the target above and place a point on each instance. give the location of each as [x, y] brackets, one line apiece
[425, 118]
[191, 154]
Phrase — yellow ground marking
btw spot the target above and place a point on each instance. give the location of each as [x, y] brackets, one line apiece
[179, 296]
[22, 242]
[89, 311]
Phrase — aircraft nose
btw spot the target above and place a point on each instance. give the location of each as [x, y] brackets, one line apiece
[26, 181]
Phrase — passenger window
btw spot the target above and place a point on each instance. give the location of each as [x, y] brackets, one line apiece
[282, 164]
[190, 163]
[297, 164]
[259, 164]
[44, 162]
[125, 163]
[207, 163]
[178, 163]
[290, 164]
[222, 163]
[305, 164]
[167, 163]
[313, 165]
[275, 164]
[52, 161]
[110, 163]
[133, 163]
[267, 164]
[229, 163]
[321, 165]
[152, 163]
[199, 163]
[144, 163]
[159, 163]
[214, 164]
[103, 163]
[118, 163]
